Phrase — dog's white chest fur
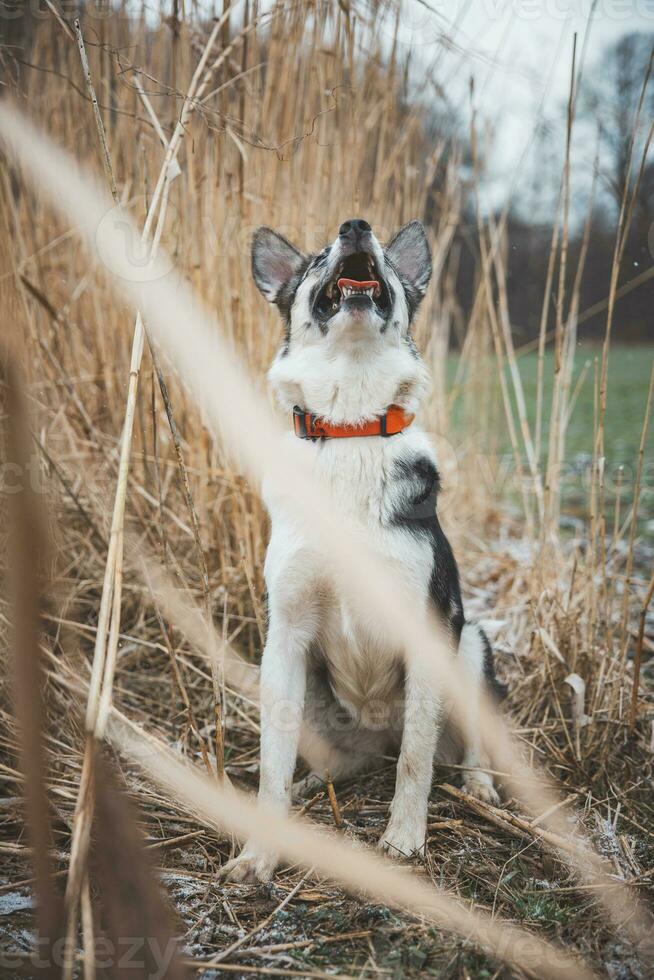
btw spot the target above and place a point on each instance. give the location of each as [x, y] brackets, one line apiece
[363, 478]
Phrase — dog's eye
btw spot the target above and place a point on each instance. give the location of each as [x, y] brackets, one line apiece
[325, 305]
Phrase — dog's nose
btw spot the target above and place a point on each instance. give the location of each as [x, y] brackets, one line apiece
[354, 229]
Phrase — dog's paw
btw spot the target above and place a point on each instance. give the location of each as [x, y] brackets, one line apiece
[480, 785]
[250, 866]
[404, 838]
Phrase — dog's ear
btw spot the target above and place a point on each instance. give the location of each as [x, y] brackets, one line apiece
[274, 262]
[410, 254]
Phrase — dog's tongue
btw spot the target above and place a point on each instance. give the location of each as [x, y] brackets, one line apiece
[357, 285]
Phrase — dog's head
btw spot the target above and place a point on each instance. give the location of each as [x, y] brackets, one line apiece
[353, 301]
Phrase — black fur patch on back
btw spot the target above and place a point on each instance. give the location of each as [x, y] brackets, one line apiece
[421, 484]
[417, 514]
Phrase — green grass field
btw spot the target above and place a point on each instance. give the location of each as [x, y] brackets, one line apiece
[629, 375]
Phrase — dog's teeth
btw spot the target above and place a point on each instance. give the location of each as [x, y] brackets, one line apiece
[348, 291]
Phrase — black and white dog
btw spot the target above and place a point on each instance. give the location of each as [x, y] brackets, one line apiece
[350, 377]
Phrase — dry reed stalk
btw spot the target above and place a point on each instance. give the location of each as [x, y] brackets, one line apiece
[263, 450]
[102, 666]
[570, 341]
[79, 849]
[111, 655]
[61, 20]
[512, 824]
[518, 390]
[333, 802]
[270, 971]
[106, 156]
[593, 517]
[132, 904]
[28, 566]
[542, 331]
[552, 480]
[88, 931]
[624, 290]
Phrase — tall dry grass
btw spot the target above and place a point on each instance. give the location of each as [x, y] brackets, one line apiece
[296, 142]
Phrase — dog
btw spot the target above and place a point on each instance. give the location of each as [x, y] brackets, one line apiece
[351, 379]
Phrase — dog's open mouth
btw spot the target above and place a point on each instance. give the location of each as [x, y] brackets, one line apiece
[356, 283]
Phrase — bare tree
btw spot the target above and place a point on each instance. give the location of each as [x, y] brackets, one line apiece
[611, 97]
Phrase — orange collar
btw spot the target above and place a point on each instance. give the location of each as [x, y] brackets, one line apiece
[308, 426]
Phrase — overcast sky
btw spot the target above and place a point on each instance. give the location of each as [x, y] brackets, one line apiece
[519, 52]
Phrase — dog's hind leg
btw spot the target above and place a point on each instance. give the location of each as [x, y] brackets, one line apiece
[474, 655]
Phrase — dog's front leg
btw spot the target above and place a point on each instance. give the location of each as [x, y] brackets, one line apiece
[407, 827]
[283, 681]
